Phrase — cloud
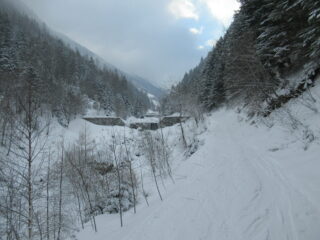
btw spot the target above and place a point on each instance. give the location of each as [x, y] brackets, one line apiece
[141, 37]
[211, 43]
[158, 40]
[222, 10]
[183, 9]
[196, 31]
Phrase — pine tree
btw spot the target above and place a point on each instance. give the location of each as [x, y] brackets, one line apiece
[6, 45]
[311, 35]
[277, 25]
[213, 92]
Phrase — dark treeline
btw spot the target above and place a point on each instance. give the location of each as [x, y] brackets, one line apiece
[65, 79]
[49, 189]
[267, 42]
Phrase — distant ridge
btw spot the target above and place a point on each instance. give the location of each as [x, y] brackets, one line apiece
[137, 81]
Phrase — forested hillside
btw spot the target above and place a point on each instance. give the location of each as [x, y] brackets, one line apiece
[44, 85]
[267, 42]
[237, 159]
[65, 79]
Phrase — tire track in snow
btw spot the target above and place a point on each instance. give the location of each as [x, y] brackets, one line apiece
[273, 201]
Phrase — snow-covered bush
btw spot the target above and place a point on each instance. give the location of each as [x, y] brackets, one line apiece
[122, 195]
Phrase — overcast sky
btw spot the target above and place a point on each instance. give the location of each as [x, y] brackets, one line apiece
[156, 39]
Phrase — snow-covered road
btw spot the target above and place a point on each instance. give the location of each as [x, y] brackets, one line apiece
[240, 185]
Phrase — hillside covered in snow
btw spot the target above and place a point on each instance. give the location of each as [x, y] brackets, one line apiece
[230, 153]
[249, 179]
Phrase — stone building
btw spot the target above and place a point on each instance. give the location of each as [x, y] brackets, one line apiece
[106, 121]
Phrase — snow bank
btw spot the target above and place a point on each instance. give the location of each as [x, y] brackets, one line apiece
[252, 179]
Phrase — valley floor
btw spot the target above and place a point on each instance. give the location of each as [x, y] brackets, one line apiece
[245, 183]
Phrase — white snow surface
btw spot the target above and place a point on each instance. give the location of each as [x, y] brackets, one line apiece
[249, 180]
[142, 120]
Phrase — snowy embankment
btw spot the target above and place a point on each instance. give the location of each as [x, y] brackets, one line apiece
[249, 180]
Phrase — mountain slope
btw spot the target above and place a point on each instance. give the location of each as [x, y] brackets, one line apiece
[145, 85]
[139, 82]
[66, 79]
[248, 181]
[267, 42]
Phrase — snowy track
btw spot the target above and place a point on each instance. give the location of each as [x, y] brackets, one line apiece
[233, 188]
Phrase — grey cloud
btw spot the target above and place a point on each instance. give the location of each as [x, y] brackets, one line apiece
[138, 36]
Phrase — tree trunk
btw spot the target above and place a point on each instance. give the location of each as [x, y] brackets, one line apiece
[120, 195]
[165, 155]
[156, 181]
[182, 133]
[142, 186]
[60, 193]
[48, 197]
[131, 175]
[132, 186]
[79, 209]
[29, 183]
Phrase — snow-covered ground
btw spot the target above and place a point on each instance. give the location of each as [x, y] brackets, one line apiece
[249, 180]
